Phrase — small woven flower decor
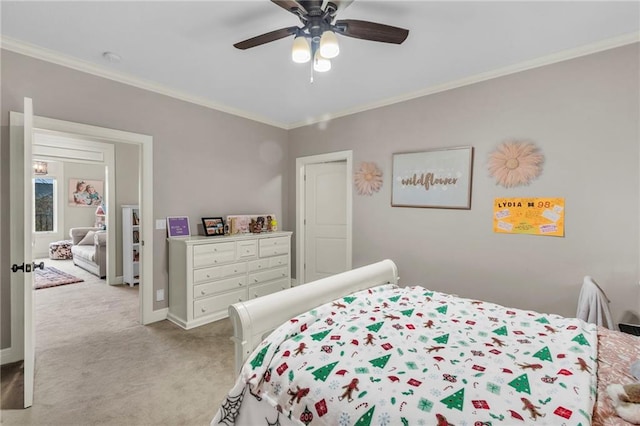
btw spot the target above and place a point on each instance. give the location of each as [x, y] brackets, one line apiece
[515, 163]
[368, 178]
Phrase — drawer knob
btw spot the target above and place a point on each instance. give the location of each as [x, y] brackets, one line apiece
[208, 276]
[239, 284]
[259, 266]
[215, 261]
[202, 292]
[255, 280]
[240, 299]
[204, 309]
[284, 275]
[235, 270]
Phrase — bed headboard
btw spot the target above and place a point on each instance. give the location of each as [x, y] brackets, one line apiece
[254, 319]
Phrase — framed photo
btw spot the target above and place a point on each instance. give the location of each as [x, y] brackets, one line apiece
[437, 178]
[86, 192]
[213, 226]
[178, 226]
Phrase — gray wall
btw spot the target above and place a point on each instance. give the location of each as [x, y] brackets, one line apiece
[206, 163]
[582, 113]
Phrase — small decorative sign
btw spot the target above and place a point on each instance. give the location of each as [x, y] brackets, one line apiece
[438, 178]
[534, 216]
[178, 226]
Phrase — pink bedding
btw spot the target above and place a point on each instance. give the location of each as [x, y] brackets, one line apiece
[616, 352]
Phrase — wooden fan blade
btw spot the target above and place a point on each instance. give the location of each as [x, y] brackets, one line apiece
[371, 31]
[290, 5]
[266, 38]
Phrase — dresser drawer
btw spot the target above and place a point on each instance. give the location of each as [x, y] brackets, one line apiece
[204, 290]
[264, 289]
[259, 265]
[213, 254]
[271, 274]
[246, 249]
[217, 272]
[218, 303]
[278, 261]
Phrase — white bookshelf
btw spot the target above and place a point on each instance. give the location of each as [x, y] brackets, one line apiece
[131, 244]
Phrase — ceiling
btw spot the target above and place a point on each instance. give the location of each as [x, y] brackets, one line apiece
[185, 48]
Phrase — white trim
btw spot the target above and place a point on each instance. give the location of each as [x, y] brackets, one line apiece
[9, 355]
[48, 55]
[301, 163]
[147, 314]
[553, 58]
[27, 49]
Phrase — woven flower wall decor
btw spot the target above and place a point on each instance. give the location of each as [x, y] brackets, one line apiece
[515, 163]
[368, 178]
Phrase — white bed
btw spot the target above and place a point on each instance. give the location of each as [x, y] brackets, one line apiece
[406, 356]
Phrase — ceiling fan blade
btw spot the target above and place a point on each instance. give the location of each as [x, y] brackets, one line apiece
[266, 38]
[290, 6]
[371, 31]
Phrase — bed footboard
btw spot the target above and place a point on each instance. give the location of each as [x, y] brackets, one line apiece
[256, 318]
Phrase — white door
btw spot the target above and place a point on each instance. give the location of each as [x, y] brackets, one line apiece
[21, 241]
[325, 220]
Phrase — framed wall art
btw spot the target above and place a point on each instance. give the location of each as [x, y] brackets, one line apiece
[85, 192]
[213, 226]
[437, 178]
[178, 226]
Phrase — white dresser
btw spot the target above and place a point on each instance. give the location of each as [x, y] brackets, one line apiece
[207, 274]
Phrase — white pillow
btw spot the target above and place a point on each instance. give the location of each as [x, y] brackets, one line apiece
[88, 239]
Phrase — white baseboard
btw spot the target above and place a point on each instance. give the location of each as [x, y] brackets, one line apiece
[155, 316]
[9, 355]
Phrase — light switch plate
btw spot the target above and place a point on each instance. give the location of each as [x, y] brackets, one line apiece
[161, 224]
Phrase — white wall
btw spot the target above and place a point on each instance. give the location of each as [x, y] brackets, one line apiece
[582, 113]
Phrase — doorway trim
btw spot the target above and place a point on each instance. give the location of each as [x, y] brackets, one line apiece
[301, 164]
[77, 130]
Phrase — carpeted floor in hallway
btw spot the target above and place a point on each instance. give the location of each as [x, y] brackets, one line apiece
[96, 365]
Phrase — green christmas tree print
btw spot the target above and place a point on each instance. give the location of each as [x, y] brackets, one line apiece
[365, 420]
[521, 384]
[542, 320]
[395, 298]
[580, 339]
[543, 354]
[442, 339]
[323, 372]
[442, 309]
[455, 400]
[380, 362]
[259, 359]
[502, 331]
[375, 327]
[407, 313]
[349, 299]
[321, 335]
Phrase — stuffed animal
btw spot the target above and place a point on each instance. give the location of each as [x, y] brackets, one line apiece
[626, 401]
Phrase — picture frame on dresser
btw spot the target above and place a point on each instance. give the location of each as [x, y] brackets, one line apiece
[213, 226]
[178, 226]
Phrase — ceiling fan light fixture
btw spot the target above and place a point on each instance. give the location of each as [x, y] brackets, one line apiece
[329, 47]
[301, 52]
[320, 63]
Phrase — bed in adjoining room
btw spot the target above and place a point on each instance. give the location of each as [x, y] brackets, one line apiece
[356, 349]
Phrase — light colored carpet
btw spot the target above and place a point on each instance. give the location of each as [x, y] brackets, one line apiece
[96, 365]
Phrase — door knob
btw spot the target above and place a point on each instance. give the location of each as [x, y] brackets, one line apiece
[16, 268]
[38, 265]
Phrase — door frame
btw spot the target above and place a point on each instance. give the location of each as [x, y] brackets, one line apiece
[146, 314]
[301, 163]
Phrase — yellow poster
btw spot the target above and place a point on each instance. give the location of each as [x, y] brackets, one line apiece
[535, 216]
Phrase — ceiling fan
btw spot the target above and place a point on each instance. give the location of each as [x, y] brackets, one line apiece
[316, 38]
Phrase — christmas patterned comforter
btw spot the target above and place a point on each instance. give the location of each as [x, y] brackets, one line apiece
[410, 356]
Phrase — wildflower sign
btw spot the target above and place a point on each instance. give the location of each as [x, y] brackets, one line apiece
[438, 178]
[535, 216]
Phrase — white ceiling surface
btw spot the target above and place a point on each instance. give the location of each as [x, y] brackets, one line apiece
[186, 47]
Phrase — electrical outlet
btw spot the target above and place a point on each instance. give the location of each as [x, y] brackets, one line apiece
[161, 224]
[160, 295]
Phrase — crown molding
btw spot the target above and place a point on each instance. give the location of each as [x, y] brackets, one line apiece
[553, 58]
[57, 58]
[48, 55]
